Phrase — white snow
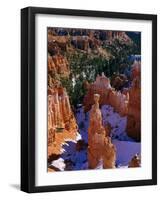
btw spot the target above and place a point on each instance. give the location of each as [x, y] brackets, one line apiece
[79, 137]
[118, 123]
[100, 165]
[59, 163]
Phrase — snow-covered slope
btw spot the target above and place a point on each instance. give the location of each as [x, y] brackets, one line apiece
[118, 123]
[126, 148]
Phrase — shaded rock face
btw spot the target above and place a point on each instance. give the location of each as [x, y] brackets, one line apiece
[57, 43]
[99, 145]
[126, 103]
[84, 40]
[119, 101]
[112, 35]
[134, 106]
[62, 125]
[102, 87]
[58, 64]
[134, 115]
[135, 161]
[136, 70]
[108, 95]
[61, 121]
[119, 81]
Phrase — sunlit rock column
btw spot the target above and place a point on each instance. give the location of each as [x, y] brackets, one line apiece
[51, 120]
[134, 115]
[94, 154]
[134, 106]
[108, 154]
[99, 146]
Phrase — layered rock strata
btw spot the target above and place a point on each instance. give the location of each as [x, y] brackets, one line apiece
[61, 121]
[58, 64]
[108, 95]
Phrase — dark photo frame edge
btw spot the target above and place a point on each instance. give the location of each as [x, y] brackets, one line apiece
[28, 99]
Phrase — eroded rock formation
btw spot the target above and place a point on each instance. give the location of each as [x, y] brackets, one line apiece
[108, 95]
[84, 40]
[62, 125]
[102, 87]
[57, 43]
[118, 81]
[58, 64]
[61, 121]
[126, 103]
[99, 145]
[136, 70]
[119, 101]
[134, 106]
[135, 161]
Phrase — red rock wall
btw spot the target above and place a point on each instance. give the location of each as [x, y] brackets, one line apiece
[127, 103]
[61, 121]
[119, 101]
[134, 111]
[134, 106]
[107, 94]
[58, 64]
[102, 87]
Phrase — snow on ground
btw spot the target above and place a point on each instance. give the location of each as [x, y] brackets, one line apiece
[78, 137]
[80, 160]
[59, 164]
[118, 123]
[83, 123]
[126, 148]
[125, 151]
[76, 160]
[100, 165]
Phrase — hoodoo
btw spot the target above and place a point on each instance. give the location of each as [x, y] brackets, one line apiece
[134, 106]
[100, 147]
[108, 95]
[93, 99]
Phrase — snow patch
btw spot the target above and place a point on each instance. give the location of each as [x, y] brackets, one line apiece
[59, 163]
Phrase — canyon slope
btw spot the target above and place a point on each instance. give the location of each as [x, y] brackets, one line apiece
[93, 100]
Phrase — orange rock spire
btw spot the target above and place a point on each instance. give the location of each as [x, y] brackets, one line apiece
[108, 95]
[134, 106]
[99, 146]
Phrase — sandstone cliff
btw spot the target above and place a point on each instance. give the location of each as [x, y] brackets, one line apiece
[108, 95]
[62, 125]
[61, 121]
[58, 64]
[102, 87]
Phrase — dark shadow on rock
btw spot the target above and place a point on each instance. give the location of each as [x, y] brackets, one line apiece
[53, 157]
